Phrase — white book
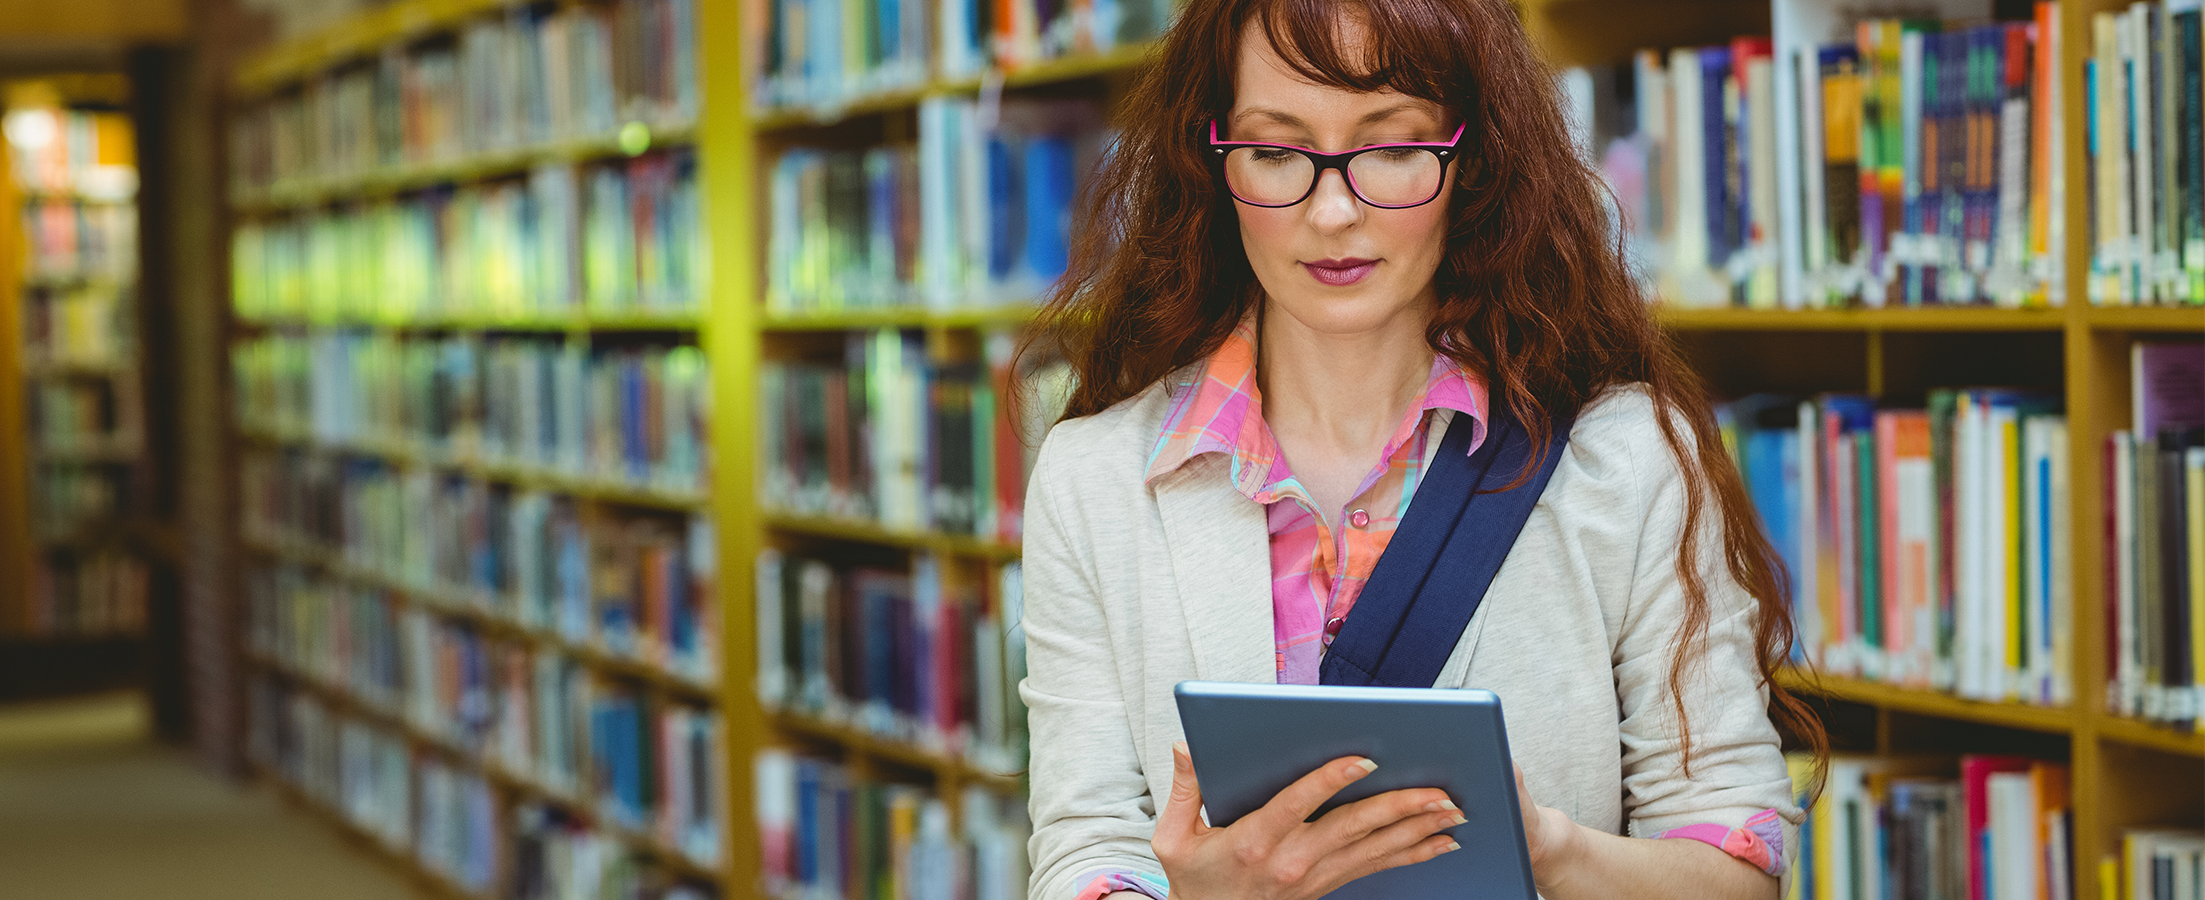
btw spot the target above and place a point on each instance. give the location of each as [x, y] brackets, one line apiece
[2126, 695]
[2136, 216]
[1690, 282]
[1760, 147]
[1812, 229]
[2110, 169]
[1967, 479]
[2013, 837]
[2036, 561]
[773, 671]
[1806, 583]
[2062, 602]
[2058, 874]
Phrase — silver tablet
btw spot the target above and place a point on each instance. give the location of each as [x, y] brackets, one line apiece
[1250, 741]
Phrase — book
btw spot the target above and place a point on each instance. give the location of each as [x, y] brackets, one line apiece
[829, 830]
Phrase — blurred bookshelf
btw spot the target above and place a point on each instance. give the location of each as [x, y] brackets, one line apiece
[796, 244]
[84, 549]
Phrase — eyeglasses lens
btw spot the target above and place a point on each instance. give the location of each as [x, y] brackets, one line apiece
[1394, 176]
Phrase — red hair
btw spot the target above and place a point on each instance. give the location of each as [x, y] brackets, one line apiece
[1533, 291]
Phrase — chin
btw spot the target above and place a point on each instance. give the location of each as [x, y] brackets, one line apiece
[1344, 311]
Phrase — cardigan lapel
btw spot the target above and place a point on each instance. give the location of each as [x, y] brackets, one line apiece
[1221, 561]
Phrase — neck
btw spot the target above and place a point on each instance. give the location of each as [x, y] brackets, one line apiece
[1341, 390]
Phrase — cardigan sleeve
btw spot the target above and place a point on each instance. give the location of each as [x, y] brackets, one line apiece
[1736, 764]
[1090, 802]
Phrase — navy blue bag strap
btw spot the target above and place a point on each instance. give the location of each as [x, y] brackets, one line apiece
[1443, 555]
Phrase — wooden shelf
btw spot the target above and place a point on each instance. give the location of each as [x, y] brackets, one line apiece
[308, 192]
[2053, 719]
[870, 533]
[895, 752]
[903, 317]
[1069, 68]
[1924, 318]
[2150, 736]
[2145, 318]
[404, 455]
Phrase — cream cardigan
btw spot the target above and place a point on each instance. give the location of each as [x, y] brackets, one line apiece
[1132, 587]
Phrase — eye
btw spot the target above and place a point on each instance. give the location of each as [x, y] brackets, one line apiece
[1397, 154]
[1271, 155]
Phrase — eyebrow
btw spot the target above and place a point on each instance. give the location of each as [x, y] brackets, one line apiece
[1287, 118]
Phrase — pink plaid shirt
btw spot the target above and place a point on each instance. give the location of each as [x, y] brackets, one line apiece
[1316, 574]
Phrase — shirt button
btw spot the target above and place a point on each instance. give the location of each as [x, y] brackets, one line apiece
[1332, 628]
[1359, 519]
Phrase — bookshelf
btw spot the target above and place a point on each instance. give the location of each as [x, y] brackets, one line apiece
[2125, 771]
[83, 546]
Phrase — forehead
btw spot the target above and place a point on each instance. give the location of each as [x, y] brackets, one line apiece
[1263, 81]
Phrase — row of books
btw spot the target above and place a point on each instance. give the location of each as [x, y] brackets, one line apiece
[530, 77]
[1918, 165]
[95, 593]
[2158, 863]
[446, 816]
[822, 54]
[1927, 547]
[890, 435]
[1989, 827]
[976, 212]
[2154, 532]
[2143, 112]
[829, 832]
[82, 324]
[633, 415]
[70, 499]
[618, 238]
[64, 151]
[631, 586]
[82, 413]
[593, 744]
[72, 240]
[924, 657]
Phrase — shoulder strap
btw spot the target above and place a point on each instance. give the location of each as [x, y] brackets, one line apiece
[1443, 556]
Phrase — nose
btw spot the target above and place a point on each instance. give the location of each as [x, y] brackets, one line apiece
[1332, 206]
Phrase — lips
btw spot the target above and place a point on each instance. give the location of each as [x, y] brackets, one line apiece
[1340, 272]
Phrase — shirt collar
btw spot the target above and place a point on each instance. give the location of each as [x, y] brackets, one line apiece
[1222, 411]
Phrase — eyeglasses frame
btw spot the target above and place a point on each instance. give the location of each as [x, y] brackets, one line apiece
[1445, 150]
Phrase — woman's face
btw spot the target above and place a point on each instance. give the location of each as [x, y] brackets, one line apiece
[1331, 262]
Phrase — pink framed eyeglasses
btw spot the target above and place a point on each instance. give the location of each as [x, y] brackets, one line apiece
[1387, 176]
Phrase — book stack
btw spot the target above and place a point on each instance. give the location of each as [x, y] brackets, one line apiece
[917, 657]
[2155, 539]
[892, 436]
[829, 833]
[1981, 826]
[975, 213]
[532, 77]
[2142, 108]
[615, 239]
[634, 416]
[86, 326]
[97, 592]
[825, 54]
[2156, 863]
[1919, 165]
[1927, 548]
[632, 586]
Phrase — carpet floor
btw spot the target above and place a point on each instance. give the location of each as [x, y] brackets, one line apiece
[92, 809]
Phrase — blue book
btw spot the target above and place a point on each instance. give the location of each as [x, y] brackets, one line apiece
[1005, 235]
[1716, 144]
[1050, 182]
[634, 443]
[808, 792]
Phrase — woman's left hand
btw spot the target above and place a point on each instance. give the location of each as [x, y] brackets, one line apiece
[1549, 835]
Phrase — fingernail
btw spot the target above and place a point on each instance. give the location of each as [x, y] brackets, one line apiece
[1451, 847]
[1456, 819]
[1368, 766]
[1179, 751]
[1440, 805]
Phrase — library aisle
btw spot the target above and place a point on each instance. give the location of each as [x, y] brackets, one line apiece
[92, 808]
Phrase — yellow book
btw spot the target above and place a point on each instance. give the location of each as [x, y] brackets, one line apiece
[2109, 879]
[2009, 449]
[1801, 768]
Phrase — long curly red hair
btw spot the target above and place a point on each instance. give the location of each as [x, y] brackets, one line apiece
[1533, 292]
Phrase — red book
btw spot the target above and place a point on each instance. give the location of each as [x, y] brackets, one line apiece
[1975, 774]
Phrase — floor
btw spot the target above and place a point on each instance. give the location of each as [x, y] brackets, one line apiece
[91, 809]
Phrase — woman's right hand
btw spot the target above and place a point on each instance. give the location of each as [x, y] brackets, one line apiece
[1275, 853]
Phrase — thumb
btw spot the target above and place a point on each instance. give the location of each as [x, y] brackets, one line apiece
[1183, 811]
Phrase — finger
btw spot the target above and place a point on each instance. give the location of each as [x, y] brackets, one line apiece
[1357, 820]
[1292, 806]
[1182, 813]
[1414, 839]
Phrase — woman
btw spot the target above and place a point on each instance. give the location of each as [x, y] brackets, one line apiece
[1270, 344]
